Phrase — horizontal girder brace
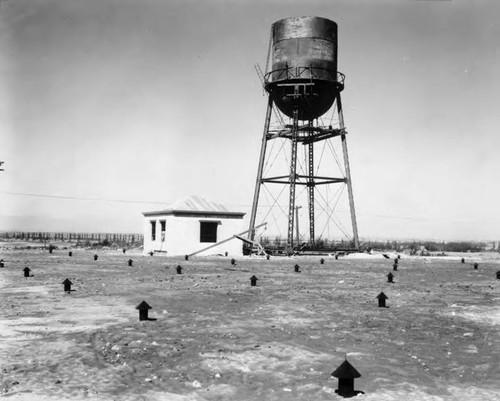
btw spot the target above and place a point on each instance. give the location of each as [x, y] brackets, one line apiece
[306, 139]
[320, 137]
[315, 180]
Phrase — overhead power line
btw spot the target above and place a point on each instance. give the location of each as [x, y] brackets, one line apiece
[384, 216]
[82, 198]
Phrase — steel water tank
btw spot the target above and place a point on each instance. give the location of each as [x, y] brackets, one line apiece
[304, 66]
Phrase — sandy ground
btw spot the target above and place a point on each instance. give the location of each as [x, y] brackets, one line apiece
[217, 338]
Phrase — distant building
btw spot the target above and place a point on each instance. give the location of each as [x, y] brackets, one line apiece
[190, 225]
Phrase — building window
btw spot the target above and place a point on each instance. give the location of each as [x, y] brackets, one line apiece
[153, 230]
[208, 231]
[163, 225]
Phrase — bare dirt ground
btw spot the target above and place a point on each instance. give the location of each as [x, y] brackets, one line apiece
[217, 338]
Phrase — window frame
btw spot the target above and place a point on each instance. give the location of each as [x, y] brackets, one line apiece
[153, 229]
[210, 236]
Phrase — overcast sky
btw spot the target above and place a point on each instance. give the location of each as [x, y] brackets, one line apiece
[110, 103]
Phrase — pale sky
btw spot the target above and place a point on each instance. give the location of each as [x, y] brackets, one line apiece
[108, 106]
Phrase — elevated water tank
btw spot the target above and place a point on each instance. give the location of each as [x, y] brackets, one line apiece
[304, 66]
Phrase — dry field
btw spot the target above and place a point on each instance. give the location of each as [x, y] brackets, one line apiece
[217, 338]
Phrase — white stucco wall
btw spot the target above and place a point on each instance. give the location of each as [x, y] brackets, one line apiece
[182, 235]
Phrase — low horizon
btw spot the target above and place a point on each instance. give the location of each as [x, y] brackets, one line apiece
[363, 240]
[109, 106]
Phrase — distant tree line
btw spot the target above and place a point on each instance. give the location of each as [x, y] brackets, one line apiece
[412, 247]
[279, 242]
[104, 239]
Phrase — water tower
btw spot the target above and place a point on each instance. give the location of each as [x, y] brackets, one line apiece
[304, 110]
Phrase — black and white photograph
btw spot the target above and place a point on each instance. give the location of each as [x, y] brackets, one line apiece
[225, 200]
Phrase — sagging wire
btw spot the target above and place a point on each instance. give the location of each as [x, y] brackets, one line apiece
[82, 198]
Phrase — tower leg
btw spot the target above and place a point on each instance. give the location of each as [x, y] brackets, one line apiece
[310, 187]
[348, 175]
[258, 181]
[292, 179]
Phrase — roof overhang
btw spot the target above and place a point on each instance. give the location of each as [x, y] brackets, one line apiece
[195, 213]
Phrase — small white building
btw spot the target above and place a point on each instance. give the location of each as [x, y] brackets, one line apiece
[190, 225]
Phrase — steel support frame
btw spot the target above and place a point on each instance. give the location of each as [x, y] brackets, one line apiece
[348, 174]
[258, 181]
[311, 185]
[294, 179]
